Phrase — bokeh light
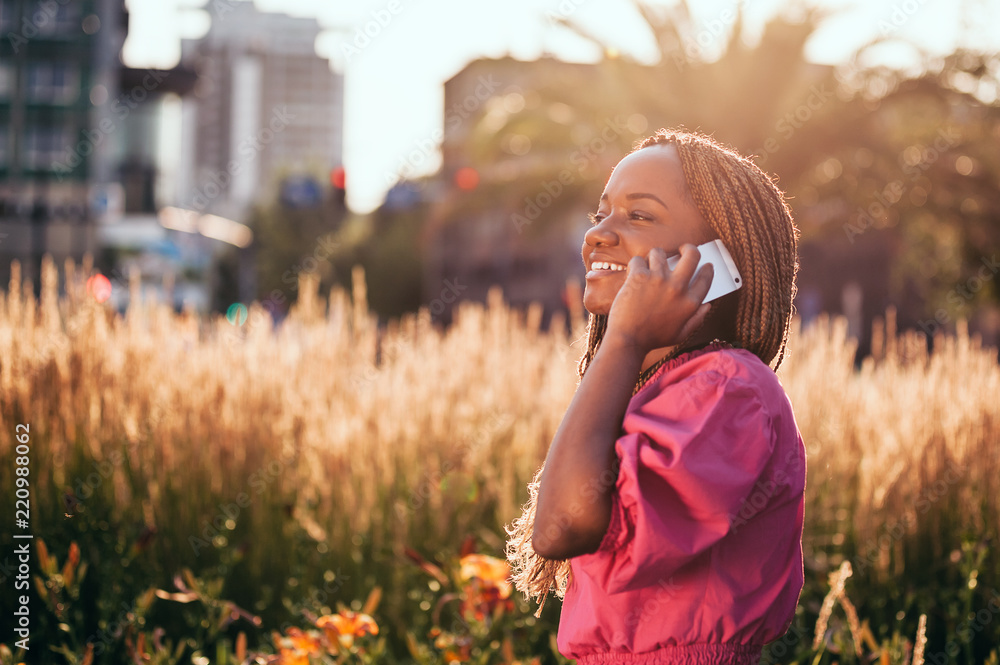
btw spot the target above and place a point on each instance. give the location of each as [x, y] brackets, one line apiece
[99, 286]
[466, 178]
[338, 177]
[237, 314]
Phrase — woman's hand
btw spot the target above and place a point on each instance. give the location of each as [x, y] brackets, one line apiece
[657, 307]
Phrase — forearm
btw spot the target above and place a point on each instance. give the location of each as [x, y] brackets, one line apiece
[574, 497]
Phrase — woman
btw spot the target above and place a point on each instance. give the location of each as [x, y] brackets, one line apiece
[669, 510]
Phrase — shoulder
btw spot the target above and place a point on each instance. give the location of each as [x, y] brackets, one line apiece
[721, 373]
[713, 409]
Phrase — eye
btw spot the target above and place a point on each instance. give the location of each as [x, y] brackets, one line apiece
[641, 216]
[595, 218]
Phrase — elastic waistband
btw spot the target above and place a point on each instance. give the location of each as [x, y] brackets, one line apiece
[688, 654]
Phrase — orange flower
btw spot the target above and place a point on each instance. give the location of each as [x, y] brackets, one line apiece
[297, 646]
[490, 571]
[343, 627]
[304, 641]
[490, 586]
[293, 657]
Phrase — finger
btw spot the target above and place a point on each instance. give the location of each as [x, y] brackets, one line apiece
[702, 283]
[637, 266]
[658, 261]
[695, 321]
[684, 270]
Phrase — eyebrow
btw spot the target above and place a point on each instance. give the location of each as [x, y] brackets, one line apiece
[640, 195]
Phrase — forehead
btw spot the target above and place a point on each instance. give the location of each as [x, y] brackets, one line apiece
[656, 169]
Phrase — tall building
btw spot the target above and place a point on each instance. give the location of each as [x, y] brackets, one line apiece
[266, 107]
[521, 167]
[59, 71]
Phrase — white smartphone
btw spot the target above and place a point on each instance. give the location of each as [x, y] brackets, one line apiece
[726, 278]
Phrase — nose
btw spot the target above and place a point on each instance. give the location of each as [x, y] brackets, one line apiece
[600, 234]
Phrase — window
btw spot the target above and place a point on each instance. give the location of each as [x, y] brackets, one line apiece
[8, 79]
[53, 82]
[68, 20]
[55, 19]
[45, 148]
[4, 150]
[6, 15]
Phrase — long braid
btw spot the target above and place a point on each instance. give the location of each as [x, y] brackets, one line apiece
[744, 207]
[595, 333]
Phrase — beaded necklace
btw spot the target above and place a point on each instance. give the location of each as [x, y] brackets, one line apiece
[648, 373]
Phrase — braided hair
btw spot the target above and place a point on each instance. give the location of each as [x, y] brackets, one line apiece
[747, 211]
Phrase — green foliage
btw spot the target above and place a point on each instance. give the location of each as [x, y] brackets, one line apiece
[876, 162]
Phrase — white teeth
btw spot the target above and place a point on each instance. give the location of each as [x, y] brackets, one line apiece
[606, 265]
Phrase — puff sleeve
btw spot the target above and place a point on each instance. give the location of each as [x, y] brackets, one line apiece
[690, 454]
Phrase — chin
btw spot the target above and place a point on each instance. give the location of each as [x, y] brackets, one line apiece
[595, 304]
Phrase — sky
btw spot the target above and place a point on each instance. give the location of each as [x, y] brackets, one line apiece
[394, 98]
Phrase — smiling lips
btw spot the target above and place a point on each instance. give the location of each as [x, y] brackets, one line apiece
[602, 268]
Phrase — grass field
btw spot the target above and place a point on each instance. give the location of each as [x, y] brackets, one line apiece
[221, 491]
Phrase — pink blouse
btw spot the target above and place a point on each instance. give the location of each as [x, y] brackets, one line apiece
[702, 560]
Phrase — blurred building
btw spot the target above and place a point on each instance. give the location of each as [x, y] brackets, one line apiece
[477, 245]
[523, 164]
[59, 69]
[266, 108]
[174, 266]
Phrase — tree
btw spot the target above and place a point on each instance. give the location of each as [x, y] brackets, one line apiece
[890, 175]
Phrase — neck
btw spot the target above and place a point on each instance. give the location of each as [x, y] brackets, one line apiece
[719, 324]
[656, 355]
[698, 340]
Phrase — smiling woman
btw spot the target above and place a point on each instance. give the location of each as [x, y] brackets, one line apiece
[677, 421]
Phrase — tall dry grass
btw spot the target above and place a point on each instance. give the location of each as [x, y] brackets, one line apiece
[353, 442]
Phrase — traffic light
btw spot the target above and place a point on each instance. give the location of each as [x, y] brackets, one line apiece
[338, 182]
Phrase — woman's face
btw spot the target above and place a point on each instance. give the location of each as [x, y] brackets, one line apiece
[644, 205]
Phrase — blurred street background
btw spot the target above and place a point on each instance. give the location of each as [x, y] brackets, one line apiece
[223, 148]
[290, 310]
